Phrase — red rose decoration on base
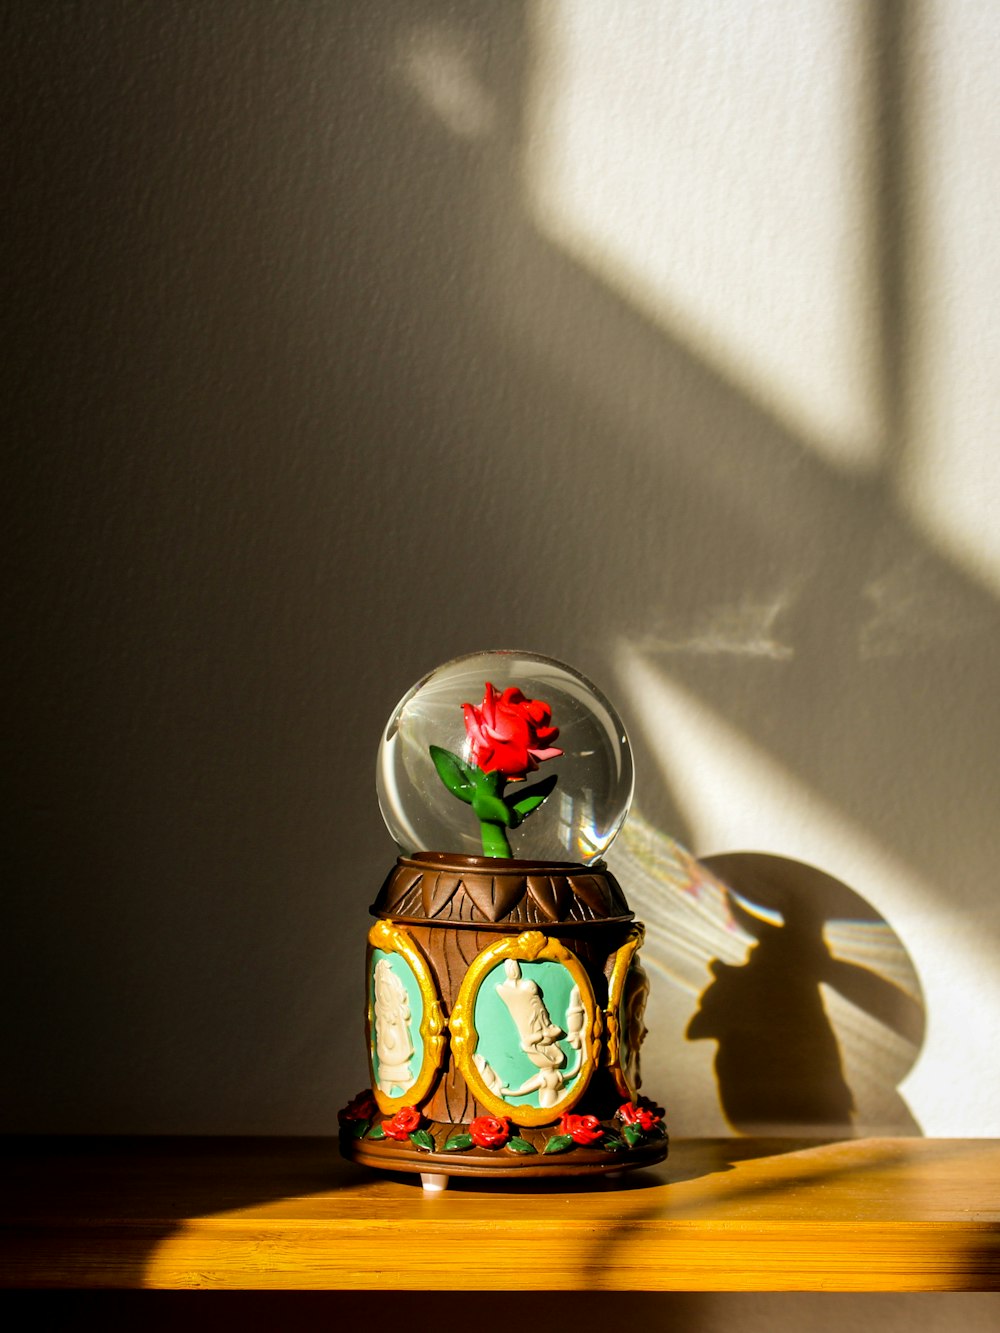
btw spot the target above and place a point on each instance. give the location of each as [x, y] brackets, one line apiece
[642, 1114]
[584, 1130]
[490, 1131]
[406, 1120]
[361, 1107]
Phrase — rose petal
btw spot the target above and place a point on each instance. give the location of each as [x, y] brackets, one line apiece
[489, 704]
[473, 722]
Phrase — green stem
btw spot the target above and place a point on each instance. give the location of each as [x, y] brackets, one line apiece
[494, 839]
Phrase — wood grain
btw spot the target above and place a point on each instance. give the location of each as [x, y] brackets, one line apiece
[719, 1215]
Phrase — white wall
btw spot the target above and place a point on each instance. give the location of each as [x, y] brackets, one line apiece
[349, 337]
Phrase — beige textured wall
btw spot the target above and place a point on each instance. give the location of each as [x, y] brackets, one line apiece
[351, 336]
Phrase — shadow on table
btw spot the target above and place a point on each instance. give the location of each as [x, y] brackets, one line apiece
[138, 1193]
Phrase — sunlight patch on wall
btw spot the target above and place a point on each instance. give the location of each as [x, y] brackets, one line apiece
[441, 68]
[951, 477]
[710, 162]
[734, 796]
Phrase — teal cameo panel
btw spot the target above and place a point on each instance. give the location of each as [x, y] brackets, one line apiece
[530, 1021]
[396, 1006]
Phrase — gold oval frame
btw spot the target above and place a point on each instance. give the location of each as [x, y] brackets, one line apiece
[616, 990]
[530, 946]
[388, 937]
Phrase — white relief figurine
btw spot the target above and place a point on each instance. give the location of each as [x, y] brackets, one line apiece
[540, 1036]
[633, 1022]
[392, 1030]
[575, 1018]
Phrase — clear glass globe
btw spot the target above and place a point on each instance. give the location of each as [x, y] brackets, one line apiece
[470, 762]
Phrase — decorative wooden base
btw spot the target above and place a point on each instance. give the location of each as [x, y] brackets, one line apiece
[504, 1023]
[390, 1155]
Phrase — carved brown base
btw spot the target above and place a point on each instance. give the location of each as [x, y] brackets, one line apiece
[445, 923]
[391, 1155]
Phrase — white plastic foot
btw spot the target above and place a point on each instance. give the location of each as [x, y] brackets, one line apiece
[433, 1182]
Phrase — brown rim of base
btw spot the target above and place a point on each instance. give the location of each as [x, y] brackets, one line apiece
[472, 891]
[497, 865]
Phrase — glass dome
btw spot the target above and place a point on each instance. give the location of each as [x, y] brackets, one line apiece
[501, 754]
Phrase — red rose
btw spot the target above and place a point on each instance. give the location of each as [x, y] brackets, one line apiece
[510, 734]
[582, 1129]
[490, 1131]
[641, 1113]
[361, 1107]
[403, 1123]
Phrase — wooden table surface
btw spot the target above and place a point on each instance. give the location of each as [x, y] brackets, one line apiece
[288, 1214]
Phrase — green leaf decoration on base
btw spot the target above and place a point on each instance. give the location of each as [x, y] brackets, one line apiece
[634, 1134]
[558, 1143]
[359, 1129]
[458, 1143]
[521, 1145]
[377, 1133]
[421, 1139]
[612, 1143]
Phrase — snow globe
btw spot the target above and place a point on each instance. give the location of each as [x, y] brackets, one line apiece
[504, 994]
